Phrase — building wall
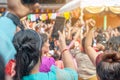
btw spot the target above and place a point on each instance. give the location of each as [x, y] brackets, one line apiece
[3, 1]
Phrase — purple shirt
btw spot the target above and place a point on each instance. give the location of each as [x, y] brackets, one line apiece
[46, 63]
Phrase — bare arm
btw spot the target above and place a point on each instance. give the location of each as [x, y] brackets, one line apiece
[66, 56]
[77, 34]
[88, 47]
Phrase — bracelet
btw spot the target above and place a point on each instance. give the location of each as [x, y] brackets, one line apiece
[64, 51]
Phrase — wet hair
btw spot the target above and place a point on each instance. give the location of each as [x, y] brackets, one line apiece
[109, 67]
[2, 68]
[113, 44]
[28, 45]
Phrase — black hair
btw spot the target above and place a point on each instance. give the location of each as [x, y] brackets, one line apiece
[28, 44]
[73, 35]
[52, 46]
[113, 44]
[2, 68]
[83, 42]
[68, 41]
[109, 67]
[29, 1]
[56, 56]
[44, 37]
[118, 28]
[101, 39]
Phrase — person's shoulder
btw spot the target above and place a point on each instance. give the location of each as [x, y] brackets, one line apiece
[67, 74]
[2, 18]
[5, 20]
[40, 75]
[37, 76]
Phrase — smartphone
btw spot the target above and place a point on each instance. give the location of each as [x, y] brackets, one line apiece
[58, 26]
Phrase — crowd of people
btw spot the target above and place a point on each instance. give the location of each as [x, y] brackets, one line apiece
[29, 52]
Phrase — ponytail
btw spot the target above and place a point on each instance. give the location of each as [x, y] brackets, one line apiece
[28, 44]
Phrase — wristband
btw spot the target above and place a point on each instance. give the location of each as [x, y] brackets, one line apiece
[64, 51]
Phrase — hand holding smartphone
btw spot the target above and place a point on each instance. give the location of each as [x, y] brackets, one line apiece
[58, 26]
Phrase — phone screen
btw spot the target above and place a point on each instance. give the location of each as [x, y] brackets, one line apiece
[58, 26]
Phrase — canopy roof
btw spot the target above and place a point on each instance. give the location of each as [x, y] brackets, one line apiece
[93, 6]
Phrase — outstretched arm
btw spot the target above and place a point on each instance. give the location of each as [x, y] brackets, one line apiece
[88, 47]
[66, 56]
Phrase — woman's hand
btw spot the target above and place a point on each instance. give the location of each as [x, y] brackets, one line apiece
[62, 42]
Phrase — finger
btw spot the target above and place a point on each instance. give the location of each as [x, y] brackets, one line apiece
[64, 33]
[59, 33]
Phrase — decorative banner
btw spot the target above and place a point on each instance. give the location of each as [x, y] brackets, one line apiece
[29, 17]
[43, 17]
[105, 22]
[49, 15]
[95, 10]
[58, 14]
[115, 10]
[53, 16]
[67, 15]
[37, 16]
[33, 17]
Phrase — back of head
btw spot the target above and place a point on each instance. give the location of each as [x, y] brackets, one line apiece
[118, 28]
[44, 37]
[27, 44]
[101, 38]
[2, 69]
[113, 44]
[56, 56]
[29, 1]
[109, 67]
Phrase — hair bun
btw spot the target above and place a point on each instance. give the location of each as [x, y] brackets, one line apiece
[111, 56]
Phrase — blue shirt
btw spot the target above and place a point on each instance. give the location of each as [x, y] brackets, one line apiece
[54, 74]
[7, 31]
